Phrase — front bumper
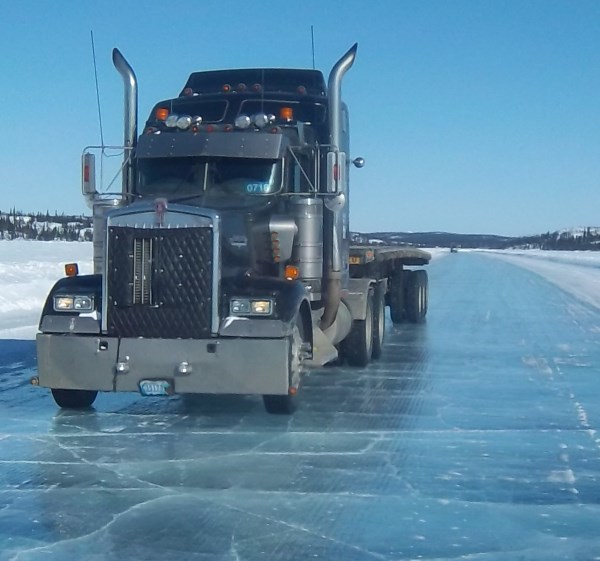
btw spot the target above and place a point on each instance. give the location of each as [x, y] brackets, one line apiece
[217, 366]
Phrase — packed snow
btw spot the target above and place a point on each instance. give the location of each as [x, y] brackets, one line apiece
[575, 272]
[28, 269]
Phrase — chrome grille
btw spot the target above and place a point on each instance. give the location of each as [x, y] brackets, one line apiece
[142, 270]
[160, 282]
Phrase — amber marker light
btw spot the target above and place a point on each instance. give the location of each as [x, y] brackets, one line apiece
[161, 114]
[286, 113]
[71, 270]
[291, 272]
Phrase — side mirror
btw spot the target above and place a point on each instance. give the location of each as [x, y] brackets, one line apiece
[359, 162]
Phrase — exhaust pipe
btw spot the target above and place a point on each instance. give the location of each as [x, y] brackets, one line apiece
[333, 221]
[334, 91]
[131, 102]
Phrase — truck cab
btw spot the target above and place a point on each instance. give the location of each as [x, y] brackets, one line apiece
[224, 264]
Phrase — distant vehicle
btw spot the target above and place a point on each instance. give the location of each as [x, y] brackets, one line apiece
[224, 264]
[453, 249]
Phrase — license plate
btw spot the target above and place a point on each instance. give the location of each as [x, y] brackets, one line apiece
[155, 387]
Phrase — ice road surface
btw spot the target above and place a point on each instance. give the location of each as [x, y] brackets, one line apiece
[474, 437]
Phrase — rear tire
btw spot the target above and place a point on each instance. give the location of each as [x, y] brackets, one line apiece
[74, 399]
[378, 320]
[358, 346]
[396, 296]
[416, 296]
[280, 404]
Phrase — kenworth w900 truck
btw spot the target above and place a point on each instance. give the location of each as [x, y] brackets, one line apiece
[224, 264]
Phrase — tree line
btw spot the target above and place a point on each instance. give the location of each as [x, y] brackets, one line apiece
[44, 226]
[585, 239]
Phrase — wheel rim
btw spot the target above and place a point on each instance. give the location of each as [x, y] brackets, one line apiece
[295, 360]
[381, 321]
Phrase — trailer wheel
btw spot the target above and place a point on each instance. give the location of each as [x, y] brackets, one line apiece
[74, 399]
[416, 296]
[287, 404]
[358, 346]
[378, 320]
[396, 296]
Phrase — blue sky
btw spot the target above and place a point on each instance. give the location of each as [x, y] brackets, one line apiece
[473, 116]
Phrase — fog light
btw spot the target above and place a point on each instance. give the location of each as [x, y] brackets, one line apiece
[63, 303]
[83, 304]
[239, 307]
[69, 303]
[261, 307]
[247, 307]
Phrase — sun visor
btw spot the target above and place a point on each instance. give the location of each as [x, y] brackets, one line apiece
[214, 144]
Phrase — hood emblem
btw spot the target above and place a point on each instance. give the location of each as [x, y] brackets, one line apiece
[160, 209]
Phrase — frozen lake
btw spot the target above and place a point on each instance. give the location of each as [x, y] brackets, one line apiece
[474, 437]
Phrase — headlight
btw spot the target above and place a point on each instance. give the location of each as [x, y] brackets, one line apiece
[73, 304]
[248, 307]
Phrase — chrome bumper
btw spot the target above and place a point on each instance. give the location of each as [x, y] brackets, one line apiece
[218, 366]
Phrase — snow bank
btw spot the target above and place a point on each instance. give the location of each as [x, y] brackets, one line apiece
[575, 272]
[28, 269]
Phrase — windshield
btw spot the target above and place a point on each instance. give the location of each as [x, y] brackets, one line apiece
[218, 177]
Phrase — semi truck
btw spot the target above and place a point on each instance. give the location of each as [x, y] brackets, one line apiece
[224, 264]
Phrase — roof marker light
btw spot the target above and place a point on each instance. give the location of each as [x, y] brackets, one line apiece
[188, 91]
[241, 87]
[226, 88]
[257, 88]
[301, 90]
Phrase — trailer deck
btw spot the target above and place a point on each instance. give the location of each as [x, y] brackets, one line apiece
[381, 261]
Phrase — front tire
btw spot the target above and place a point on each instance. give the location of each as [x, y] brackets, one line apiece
[74, 399]
[287, 404]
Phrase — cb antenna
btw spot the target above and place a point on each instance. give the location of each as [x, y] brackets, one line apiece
[97, 88]
[312, 40]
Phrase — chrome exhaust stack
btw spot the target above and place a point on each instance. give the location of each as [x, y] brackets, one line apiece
[334, 91]
[333, 222]
[131, 103]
